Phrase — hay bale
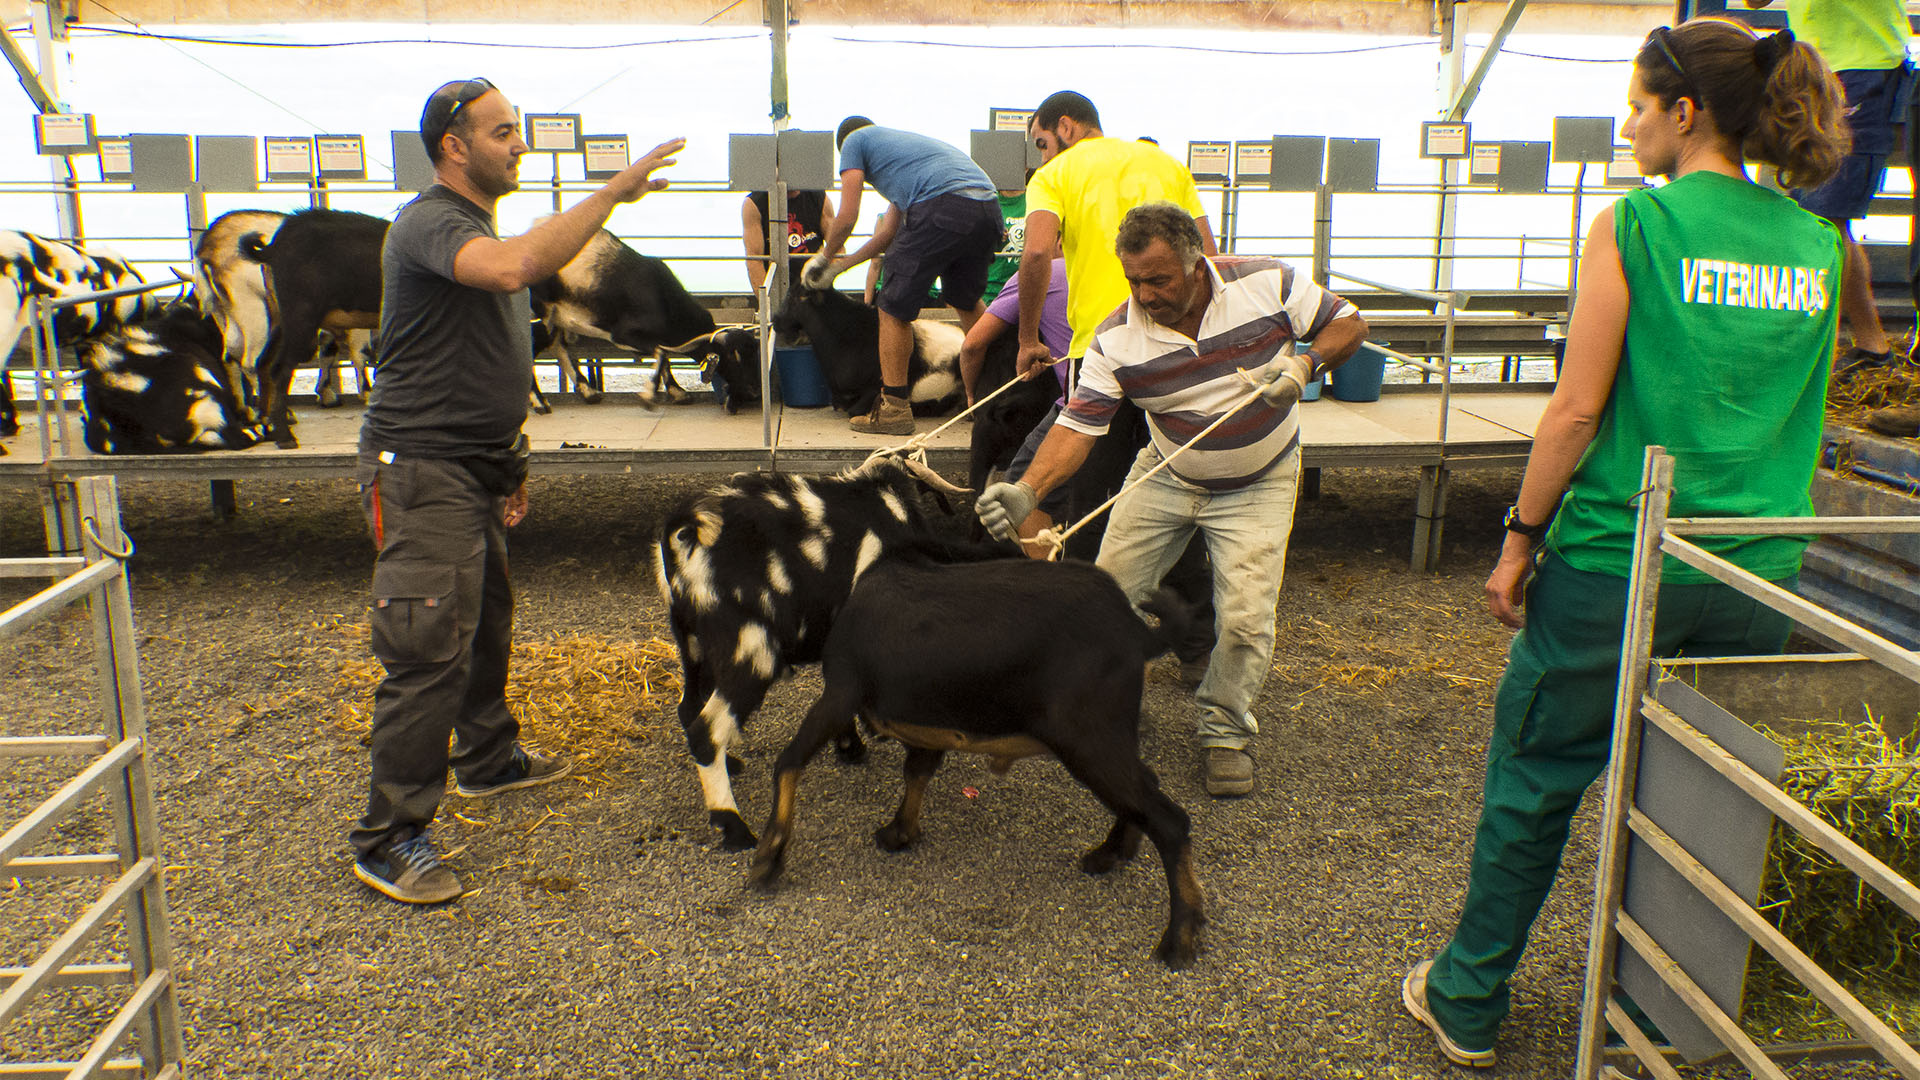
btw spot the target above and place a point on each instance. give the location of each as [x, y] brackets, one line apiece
[586, 696]
[1865, 783]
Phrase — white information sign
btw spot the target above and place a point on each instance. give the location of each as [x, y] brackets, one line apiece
[289, 157]
[606, 155]
[1623, 170]
[555, 134]
[1009, 120]
[1253, 160]
[340, 154]
[1445, 140]
[1486, 161]
[116, 159]
[63, 133]
[1209, 160]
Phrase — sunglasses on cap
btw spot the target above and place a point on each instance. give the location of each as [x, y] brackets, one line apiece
[473, 90]
[1659, 39]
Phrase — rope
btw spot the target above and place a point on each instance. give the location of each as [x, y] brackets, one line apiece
[1055, 539]
[918, 444]
[122, 553]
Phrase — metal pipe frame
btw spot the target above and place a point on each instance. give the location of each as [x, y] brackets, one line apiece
[1656, 537]
[118, 771]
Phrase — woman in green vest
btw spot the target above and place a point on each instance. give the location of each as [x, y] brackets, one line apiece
[1705, 323]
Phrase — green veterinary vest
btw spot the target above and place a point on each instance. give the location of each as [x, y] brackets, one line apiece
[1733, 303]
[1853, 34]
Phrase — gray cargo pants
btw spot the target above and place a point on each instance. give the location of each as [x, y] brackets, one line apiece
[442, 620]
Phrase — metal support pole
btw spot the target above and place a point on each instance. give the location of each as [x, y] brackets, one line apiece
[1464, 100]
[49, 28]
[1322, 234]
[196, 215]
[1573, 235]
[777, 18]
[1636, 655]
[1453, 56]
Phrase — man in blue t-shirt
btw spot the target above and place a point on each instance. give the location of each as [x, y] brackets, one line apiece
[944, 222]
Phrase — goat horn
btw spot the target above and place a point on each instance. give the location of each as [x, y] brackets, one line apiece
[926, 475]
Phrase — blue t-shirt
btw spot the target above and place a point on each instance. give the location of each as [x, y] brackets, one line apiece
[906, 168]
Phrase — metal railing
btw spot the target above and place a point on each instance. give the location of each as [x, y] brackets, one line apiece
[1624, 817]
[49, 380]
[117, 771]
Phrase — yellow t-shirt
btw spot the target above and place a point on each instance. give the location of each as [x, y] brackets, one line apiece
[1090, 186]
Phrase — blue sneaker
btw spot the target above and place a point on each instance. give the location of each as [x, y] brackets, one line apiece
[525, 769]
[409, 871]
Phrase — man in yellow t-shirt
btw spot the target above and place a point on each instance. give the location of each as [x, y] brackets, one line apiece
[1086, 183]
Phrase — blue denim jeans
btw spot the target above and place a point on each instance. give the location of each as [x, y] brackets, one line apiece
[1246, 536]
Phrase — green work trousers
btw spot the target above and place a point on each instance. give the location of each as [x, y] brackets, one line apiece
[1553, 733]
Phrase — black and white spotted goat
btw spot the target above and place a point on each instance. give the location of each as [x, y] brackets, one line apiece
[33, 266]
[753, 573]
[161, 387]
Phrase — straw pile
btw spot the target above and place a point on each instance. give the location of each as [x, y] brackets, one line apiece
[1867, 785]
[588, 697]
[1853, 396]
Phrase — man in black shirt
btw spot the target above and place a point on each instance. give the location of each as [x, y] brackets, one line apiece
[442, 477]
[807, 215]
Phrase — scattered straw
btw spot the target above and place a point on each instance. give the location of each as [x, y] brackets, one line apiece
[1866, 784]
[1853, 396]
[589, 697]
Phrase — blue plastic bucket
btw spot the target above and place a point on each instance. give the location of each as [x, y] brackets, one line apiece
[801, 383]
[1312, 392]
[1359, 378]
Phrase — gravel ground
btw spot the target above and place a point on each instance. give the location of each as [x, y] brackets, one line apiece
[609, 936]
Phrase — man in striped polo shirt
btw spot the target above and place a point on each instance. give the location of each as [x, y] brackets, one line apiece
[1177, 348]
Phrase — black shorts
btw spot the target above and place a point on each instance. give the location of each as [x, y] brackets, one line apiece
[1875, 103]
[949, 237]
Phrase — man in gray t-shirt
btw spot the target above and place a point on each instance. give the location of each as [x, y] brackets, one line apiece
[442, 476]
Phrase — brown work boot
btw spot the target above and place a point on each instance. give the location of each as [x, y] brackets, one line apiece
[1900, 420]
[1226, 771]
[890, 416]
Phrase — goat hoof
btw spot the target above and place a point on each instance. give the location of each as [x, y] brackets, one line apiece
[891, 837]
[677, 396]
[1100, 860]
[543, 408]
[735, 766]
[589, 395]
[734, 834]
[329, 398]
[850, 751]
[286, 442]
[648, 401]
[764, 874]
[1179, 946]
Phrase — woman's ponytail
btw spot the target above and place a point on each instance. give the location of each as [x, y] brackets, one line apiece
[1801, 126]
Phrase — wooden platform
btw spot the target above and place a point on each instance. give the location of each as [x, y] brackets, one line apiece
[1487, 425]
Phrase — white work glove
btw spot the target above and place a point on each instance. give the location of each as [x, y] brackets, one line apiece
[1284, 378]
[818, 273]
[1002, 507]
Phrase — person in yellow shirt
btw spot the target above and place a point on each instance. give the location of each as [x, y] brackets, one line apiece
[1086, 183]
[1865, 43]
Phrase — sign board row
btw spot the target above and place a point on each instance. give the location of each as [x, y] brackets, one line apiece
[228, 163]
[1587, 139]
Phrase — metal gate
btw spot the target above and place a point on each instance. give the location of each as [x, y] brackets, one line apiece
[1679, 963]
[115, 769]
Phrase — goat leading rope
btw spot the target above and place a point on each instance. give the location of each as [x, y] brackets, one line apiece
[1055, 539]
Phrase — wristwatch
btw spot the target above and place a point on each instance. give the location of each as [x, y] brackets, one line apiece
[1512, 523]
